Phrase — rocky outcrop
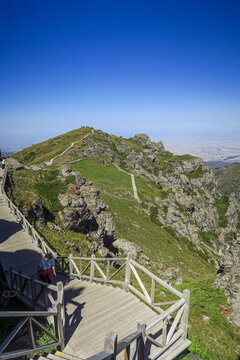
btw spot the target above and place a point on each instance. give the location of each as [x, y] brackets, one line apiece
[229, 277]
[145, 141]
[83, 209]
[13, 164]
[125, 247]
[36, 212]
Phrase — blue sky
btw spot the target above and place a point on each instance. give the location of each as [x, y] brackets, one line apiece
[167, 68]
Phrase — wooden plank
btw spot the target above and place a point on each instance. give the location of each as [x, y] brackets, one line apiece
[100, 271]
[157, 279]
[178, 350]
[18, 353]
[176, 336]
[175, 323]
[13, 314]
[140, 283]
[169, 311]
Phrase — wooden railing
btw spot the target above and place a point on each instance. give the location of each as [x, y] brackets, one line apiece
[113, 347]
[34, 293]
[36, 238]
[171, 324]
[29, 319]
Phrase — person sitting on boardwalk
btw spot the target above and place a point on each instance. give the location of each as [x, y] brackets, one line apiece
[46, 269]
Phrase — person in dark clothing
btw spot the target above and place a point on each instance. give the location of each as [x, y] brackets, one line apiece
[46, 269]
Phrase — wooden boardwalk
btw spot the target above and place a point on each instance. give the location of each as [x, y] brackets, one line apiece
[91, 309]
[16, 247]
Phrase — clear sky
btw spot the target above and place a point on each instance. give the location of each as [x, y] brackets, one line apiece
[167, 68]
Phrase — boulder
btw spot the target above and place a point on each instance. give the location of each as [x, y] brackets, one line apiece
[37, 212]
[13, 164]
[127, 247]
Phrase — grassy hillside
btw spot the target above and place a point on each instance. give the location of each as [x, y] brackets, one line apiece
[38, 153]
[135, 222]
[212, 336]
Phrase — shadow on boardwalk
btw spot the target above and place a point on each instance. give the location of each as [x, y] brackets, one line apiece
[7, 229]
[73, 311]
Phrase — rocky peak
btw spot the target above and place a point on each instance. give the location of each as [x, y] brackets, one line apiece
[229, 277]
[145, 141]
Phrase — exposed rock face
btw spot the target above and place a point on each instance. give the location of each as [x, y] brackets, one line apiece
[127, 247]
[84, 211]
[229, 279]
[192, 186]
[37, 212]
[13, 164]
[145, 140]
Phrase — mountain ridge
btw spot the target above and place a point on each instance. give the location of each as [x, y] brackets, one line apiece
[82, 203]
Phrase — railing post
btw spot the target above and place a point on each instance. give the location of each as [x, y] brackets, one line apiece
[110, 344]
[141, 340]
[92, 267]
[164, 331]
[20, 282]
[33, 291]
[31, 333]
[127, 272]
[108, 270]
[11, 277]
[70, 266]
[59, 327]
[186, 294]
[152, 291]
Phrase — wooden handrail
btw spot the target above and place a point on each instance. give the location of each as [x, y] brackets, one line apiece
[29, 318]
[4, 314]
[36, 238]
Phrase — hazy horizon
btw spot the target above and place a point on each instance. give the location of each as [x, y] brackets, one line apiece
[168, 69]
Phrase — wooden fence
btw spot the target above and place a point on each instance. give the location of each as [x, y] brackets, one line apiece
[113, 347]
[172, 323]
[34, 293]
[29, 319]
[33, 234]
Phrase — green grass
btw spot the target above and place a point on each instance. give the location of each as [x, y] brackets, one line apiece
[154, 216]
[134, 225]
[215, 338]
[68, 242]
[20, 187]
[49, 188]
[106, 178]
[222, 206]
[36, 154]
[195, 174]
[208, 237]
[49, 191]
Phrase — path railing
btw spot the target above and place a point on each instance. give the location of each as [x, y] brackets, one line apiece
[29, 319]
[171, 323]
[36, 238]
[113, 347]
[35, 293]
